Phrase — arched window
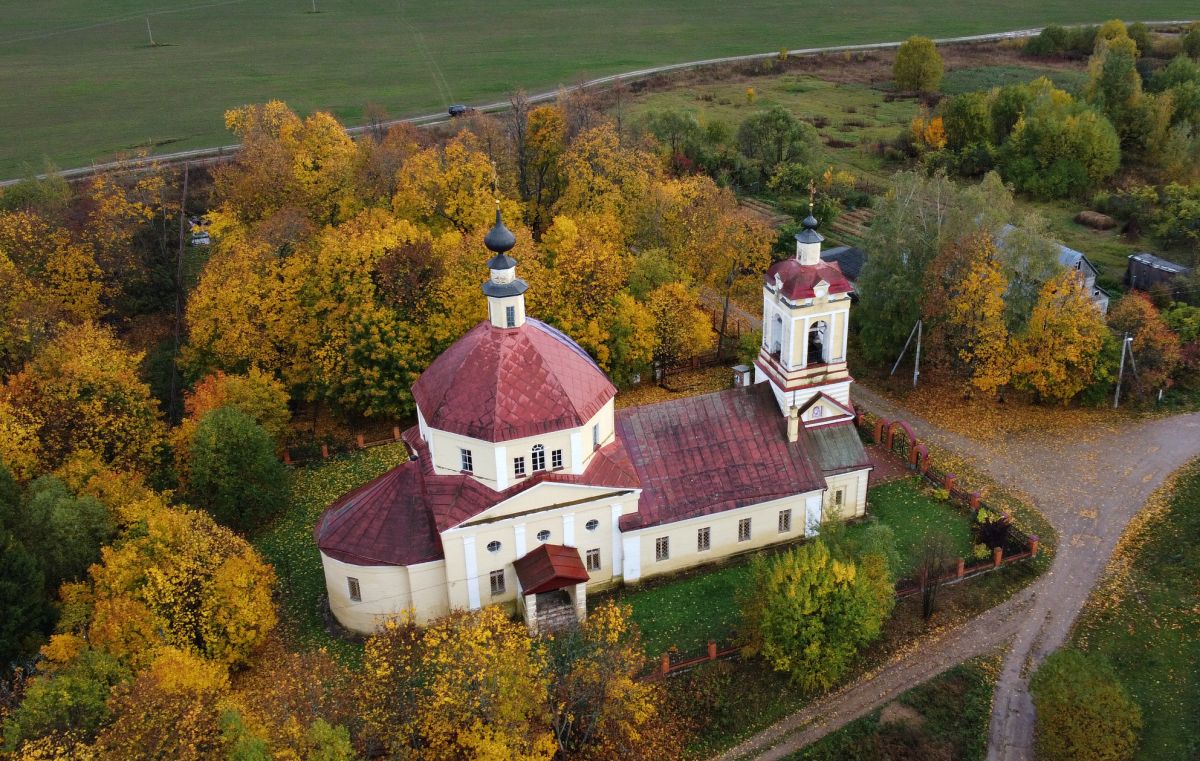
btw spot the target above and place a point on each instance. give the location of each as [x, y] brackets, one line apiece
[816, 343]
[539, 457]
[776, 336]
[493, 546]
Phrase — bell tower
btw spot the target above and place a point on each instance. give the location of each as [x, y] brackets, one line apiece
[504, 290]
[806, 317]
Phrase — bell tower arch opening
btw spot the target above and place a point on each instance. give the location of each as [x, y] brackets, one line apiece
[817, 339]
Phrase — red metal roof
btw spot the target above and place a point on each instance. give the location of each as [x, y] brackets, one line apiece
[549, 567]
[706, 454]
[397, 518]
[798, 279]
[498, 384]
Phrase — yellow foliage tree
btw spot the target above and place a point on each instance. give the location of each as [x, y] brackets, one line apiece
[19, 444]
[930, 134]
[451, 188]
[1057, 355]
[682, 328]
[602, 176]
[82, 392]
[468, 685]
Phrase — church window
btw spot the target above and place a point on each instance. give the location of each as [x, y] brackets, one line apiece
[510, 316]
[543, 535]
[539, 457]
[839, 497]
[744, 530]
[596, 436]
[556, 459]
[355, 589]
[704, 539]
[519, 466]
[593, 560]
[493, 546]
[592, 525]
[818, 412]
[776, 336]
[497, 579]
[465, 457]
[662, 548]
[785, 521]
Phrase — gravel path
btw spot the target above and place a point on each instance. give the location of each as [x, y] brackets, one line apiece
[1088, 489]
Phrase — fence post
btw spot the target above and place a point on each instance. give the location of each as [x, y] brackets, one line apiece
[395, 433]
[666, 664]
[1033, 545]
[287, 456]
[961, 569]
[325, 451]
[997, 556]
[880, 425]
[362, 441]
[973, 500]
[948, 481]
[712, 650]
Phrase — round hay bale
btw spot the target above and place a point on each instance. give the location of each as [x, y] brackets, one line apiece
[1095, 220]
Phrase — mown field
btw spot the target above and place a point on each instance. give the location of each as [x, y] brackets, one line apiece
[79, 79]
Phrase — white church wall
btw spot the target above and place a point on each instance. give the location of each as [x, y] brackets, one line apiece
[386, 591]
[494, 462]
[853, 486]
[723, 535]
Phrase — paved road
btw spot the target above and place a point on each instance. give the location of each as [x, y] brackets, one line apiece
[1088, 489]
[213, 155]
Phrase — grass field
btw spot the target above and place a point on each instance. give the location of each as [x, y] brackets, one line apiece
[79, 79]
[1145, 619]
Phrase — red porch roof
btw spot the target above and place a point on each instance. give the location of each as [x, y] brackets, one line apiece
[549, 567]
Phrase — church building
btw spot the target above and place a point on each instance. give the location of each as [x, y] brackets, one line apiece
[527, 488]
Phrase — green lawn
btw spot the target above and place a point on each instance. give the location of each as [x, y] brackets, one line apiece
[986, 77]
[288, 543]
[686, 612]
[80, 80]
[947, 717]
[1145, 619]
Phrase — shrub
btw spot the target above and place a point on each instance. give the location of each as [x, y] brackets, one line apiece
[1052, 40]
[235, 475]
[809, 612]
[1140, 34]
[1082, 710]
[918, 66]
[1191, 42]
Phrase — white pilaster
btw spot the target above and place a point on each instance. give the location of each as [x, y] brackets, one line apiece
[569, 530]
[501, 468]
[616, 538]
[519, 539]
[632, 568]
[472, 572]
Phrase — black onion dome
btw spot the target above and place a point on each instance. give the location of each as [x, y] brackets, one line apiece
[500, 240]
[809, 234]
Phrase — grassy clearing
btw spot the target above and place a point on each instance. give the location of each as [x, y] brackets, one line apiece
[969, 79]
[947, 717]
[684, 613]
[80, 79]
[288, 543]
[1145, 618]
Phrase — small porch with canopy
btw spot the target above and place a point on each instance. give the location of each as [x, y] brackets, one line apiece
[553, 585]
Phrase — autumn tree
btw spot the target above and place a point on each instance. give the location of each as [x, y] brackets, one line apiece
[681, 327]
[603, 176]
[66, 702]
[540, 147]
[918, 65]
[64, 531]
[255, 393]
[1083, 711]
[466, 685]
[83, 392]
[601, 709]
[233, 471]
[966, 312]
[1155, 347]
[1115, 86]
[1056, 357]
[450, 187]
[810, 613]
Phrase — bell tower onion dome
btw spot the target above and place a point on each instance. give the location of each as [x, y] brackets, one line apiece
[504, 290]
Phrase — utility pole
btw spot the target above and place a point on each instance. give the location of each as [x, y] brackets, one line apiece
[1121, 372]
[917, 363]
